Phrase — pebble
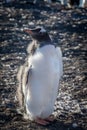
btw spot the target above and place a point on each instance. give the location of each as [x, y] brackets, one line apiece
[74, 125]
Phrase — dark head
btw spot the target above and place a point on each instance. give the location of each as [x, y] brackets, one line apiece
[39, 34]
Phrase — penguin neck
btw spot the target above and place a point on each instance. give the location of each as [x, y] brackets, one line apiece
[43, 43]
[36, 44]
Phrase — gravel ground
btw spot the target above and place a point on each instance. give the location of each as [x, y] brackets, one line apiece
[68, 29]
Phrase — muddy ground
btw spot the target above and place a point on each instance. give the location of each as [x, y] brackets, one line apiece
[68, 29]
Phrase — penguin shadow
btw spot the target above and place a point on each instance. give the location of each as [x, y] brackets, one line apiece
[56, 125]
[9, 114]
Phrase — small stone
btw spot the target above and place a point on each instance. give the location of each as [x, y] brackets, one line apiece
[74, 125]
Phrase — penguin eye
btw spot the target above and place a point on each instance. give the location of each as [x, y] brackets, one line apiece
[40, 32]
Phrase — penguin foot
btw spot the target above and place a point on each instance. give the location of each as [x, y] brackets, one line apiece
[41, 121]
[50, 118]
[45, 121]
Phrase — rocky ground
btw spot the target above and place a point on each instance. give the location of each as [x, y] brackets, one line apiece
[68, 29]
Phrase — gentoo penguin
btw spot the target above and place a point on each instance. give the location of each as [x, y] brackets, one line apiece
[39, 77]
[80, 3]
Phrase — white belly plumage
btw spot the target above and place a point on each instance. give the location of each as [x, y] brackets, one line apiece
[42, 87]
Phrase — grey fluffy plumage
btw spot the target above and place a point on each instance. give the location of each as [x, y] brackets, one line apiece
[39, 76]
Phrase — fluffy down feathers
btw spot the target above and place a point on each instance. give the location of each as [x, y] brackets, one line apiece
[42, 86]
